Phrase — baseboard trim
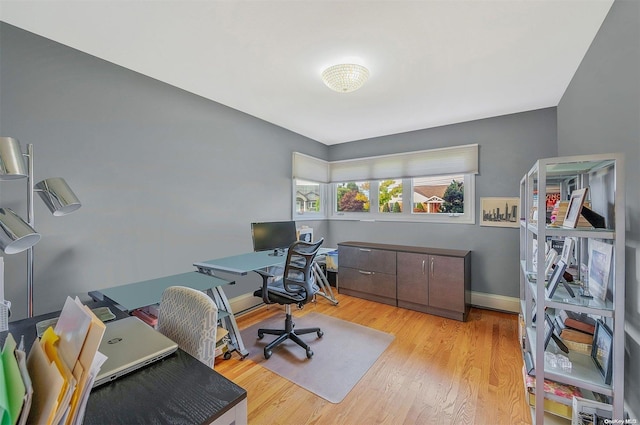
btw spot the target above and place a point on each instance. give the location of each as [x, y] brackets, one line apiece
[495, 302]
[244, 303]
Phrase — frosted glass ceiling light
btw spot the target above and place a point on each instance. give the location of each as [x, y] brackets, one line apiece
[346, 77]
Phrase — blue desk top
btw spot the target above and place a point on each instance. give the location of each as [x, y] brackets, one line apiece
[245, 263]
[148, 292]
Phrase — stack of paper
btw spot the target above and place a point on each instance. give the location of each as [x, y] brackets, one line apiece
[52, 386]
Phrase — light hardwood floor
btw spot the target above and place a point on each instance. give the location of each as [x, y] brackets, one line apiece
[436, 371]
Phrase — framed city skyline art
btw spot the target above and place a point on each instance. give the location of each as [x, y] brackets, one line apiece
[500, 212]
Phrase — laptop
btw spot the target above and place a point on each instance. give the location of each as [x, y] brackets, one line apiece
[130, 344]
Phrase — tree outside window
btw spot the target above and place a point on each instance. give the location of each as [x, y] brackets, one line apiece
[390, 196]
[353, 197]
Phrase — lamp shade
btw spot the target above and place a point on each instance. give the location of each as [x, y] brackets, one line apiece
[15, 234]
[58, 196]
[11, 159]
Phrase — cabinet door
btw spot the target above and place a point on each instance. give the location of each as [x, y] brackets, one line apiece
[413, 283]
[446, 283]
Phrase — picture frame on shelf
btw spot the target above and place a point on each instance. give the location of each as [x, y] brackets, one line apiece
[575, 206]
[549, 327]
[599, 267]
[567, 251]
[500, 212]
[549, 261]
[554, 279]
[602, 350]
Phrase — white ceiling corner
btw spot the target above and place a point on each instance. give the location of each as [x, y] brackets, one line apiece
[432, 62]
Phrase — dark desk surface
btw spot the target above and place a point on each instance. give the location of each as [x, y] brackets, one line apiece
[176, 390]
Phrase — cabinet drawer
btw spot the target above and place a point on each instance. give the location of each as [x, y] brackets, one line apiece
[367, 259]
[367, 284]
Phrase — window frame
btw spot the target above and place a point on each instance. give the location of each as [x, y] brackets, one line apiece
[468, 217]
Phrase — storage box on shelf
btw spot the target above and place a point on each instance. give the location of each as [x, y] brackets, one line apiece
[603, 177]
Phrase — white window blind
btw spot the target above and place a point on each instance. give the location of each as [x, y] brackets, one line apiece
[306, 167]
[455, 160]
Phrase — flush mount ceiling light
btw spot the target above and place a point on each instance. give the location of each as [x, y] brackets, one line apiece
[346, 77]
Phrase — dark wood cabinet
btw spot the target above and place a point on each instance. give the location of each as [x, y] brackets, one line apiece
[367, 273]
[431, 280]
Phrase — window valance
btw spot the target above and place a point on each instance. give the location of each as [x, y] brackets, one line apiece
[454, 160]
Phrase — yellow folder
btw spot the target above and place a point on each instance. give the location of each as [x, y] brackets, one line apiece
[47, 385]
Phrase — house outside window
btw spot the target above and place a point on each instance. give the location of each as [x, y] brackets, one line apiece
[438, 195]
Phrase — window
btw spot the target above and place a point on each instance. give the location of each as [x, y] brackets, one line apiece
[390, 196]
[436, 185]
[438, 195]
[439, 199]
[352, 197]
[309, 199]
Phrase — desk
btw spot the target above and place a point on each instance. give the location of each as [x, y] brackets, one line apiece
[244, 263]
[141, 294]
[176, 390]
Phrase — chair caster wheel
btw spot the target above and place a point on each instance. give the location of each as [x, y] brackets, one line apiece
[267, 354]
[320, 333]
[226, 355]
[309, 354]
[260, 335]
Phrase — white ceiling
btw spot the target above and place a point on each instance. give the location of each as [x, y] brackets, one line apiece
[432, 62]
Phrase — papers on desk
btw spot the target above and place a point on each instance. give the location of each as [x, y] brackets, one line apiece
[52, 385]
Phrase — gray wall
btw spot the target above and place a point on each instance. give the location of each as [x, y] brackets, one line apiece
[166, 178]
[508, 147]
[600, 113]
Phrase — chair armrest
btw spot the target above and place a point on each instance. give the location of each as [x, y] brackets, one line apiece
[265, 281]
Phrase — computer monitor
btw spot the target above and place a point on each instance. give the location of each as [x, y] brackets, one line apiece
[273, 235]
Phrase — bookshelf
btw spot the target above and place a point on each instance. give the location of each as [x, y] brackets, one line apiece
[557, 178]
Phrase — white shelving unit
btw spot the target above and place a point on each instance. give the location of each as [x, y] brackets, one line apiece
[603, 175]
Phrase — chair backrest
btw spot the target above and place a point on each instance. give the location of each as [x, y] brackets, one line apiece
[298, 267]
[190, 318]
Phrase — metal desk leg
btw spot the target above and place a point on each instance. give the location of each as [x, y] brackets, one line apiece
[229, 321]
[323, 283]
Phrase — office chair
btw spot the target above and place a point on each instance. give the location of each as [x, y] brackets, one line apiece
[297, 286]
[190, 318]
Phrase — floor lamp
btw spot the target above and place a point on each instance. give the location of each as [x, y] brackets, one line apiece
[16, 235]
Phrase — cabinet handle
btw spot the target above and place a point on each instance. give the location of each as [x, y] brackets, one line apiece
[431, 266]
[363, 272]
[364, 250]
[423, 266]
